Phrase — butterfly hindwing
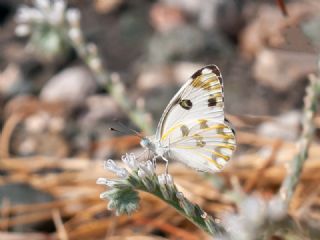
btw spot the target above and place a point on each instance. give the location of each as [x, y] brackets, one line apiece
[206, 147]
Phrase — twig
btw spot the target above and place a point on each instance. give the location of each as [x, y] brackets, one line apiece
[282, 6]
[5, 213]
[7, 131]
[61, 231]
[164, 226]
[310, 104]
[256, 176]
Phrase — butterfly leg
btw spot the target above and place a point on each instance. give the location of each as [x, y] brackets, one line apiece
[154, 161]
[167, 164]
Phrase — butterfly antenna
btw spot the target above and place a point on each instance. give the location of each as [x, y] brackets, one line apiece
[129, 129]
[116, 130]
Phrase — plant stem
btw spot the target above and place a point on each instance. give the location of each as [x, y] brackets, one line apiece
[112, 84]
[295, 169]
[196, 215]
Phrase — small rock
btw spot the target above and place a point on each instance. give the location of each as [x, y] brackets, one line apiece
[286, 126]
[163, 76]
[175, 44]
[42, 121]
[71, 85]
[44, 143]
[99, 108]
[311, 28]
[280, 69]
[269, 28]
[154, 77]
[183, 71]
[11, 80]
[21, 193]
[106, 6]
[165, 17]
[206, 12]
[41, 134]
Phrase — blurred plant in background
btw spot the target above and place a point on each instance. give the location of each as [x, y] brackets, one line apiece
[53, 29]
[44, 24]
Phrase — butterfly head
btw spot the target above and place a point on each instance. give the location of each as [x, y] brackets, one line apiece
[151, 144]
[147, 143]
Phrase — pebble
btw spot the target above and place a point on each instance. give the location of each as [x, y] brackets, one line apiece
[285, 127]
[71, 85]
[281, 69]
[99, 107]
[22, 193]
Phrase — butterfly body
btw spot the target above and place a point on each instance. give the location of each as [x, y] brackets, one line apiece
[155, 147]
[193, 128]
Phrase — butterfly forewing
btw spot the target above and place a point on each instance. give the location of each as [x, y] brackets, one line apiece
[202, 95]
[193, 124]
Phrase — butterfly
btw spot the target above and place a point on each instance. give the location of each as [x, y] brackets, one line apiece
[193, 128]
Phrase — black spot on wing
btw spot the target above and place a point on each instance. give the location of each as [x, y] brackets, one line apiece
[227, 121]
[233, 131]
[212, 102]
[186, 104]
[197, 74]
[216, 71]
[213, 68]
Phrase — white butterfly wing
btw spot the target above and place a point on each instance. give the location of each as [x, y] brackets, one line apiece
[206, 148]
[192, 100]
[193, 124]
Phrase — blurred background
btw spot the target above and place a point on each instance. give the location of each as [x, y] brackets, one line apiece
[55, 113]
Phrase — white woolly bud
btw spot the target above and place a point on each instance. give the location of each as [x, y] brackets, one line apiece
[107, 182]
[112, 166]
[42, 4]
[95, 64]
[22, 30]
[73, 17]
[130, 160]
[75, 35]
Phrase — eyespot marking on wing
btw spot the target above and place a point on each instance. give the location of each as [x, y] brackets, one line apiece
[203, 123]
[212, 102]
[199, 140]
[184, 130]
[186, 104]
